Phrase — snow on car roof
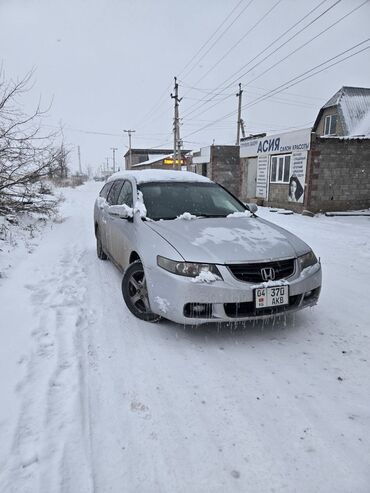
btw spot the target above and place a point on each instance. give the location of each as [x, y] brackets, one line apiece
[149, 175]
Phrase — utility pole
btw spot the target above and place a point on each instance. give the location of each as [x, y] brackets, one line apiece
[79, 159]
[239, 95]
[242, 126]
[130, 132]
[176, 126]
[107, 158]
[114, 149]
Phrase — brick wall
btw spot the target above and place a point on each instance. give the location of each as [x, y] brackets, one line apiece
[340, 174]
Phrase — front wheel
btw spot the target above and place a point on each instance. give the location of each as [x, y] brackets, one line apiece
[99, 247]
[135, 292]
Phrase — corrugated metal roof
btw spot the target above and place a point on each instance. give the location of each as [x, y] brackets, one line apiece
[353, 109]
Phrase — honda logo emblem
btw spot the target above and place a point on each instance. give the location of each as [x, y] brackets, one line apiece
[268, 274]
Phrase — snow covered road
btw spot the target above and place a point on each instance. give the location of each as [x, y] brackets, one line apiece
[94, 400]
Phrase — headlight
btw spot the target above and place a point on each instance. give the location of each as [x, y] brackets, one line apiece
[307, 259]
[188, 269]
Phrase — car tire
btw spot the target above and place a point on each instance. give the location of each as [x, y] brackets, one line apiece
[99, 247]
[135, 292]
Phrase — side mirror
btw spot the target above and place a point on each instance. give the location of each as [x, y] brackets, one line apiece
[252, 208]
[101, 202]
[121, 211]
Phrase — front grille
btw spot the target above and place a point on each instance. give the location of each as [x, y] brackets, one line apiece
[248, 309]
[252, 272]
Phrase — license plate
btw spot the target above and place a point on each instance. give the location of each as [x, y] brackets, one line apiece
[272, 296]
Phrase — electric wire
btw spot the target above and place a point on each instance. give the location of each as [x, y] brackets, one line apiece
[294, 51]
[162, 98]
[265, 49]
[220, 35]
[294, 81]
[278, 48]
[261, 19]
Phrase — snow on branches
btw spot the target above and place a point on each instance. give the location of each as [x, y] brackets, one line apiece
[28, 155]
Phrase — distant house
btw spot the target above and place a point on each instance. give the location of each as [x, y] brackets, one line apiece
[325, 168]
[150, 158]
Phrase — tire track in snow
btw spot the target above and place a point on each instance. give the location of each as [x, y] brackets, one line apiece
[50, 450]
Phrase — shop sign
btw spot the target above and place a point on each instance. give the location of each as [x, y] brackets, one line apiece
[298, 140]
[262, 176]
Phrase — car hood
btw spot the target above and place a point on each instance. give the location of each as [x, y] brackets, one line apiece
[229, 240]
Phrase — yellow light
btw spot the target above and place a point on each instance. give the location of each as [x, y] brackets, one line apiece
[172, 161]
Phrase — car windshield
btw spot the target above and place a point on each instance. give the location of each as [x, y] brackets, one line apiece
[168, 200]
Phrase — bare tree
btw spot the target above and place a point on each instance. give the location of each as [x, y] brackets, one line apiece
[27, 153]
[60, 169]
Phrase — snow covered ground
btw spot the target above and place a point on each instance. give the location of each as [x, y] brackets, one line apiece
[94, 400]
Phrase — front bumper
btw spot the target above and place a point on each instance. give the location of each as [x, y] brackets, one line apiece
[229, 300]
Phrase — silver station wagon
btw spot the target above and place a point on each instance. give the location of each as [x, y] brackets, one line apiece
[192, 253]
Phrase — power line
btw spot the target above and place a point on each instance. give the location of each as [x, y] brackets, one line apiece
[310, 40]
[214, 34]
[294, 51]
[155, 107]
[276, 49]
[199, 89]
[293, 82]
[261, 19]
[317, 72]
[71, 129]
[206, 101]
[158, 104]
[202, 99]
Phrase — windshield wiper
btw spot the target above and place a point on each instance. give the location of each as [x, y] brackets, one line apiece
[198, 216]
[210, 215]
[163, 218]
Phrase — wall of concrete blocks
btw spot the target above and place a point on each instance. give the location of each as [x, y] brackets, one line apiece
[225, 167]
[339, 175]
[278, 197]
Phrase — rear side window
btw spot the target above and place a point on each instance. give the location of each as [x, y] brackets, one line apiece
[105, 190]
[114, 192]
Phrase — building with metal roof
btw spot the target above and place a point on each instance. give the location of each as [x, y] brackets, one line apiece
[347, 113]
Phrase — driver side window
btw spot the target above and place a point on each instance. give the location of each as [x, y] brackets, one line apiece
[114, 192]
[125, 196]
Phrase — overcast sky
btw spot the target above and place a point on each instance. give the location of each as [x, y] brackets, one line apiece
[108, 65]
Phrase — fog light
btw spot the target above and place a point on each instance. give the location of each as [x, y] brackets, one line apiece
[308, 294]
[198, 310]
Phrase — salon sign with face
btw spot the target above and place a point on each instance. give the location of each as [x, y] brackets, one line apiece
[297, 177]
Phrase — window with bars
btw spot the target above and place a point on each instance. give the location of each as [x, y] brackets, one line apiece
[280, 169]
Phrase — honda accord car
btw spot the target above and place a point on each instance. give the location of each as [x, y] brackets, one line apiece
[191, 252]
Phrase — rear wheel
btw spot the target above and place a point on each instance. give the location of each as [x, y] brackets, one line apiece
[99, 247]
[135, 292]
